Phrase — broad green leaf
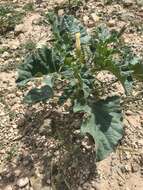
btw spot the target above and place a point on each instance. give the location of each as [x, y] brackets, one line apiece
[102, 33]
[44, 60]
[103, 124]
[67, 24]
[49, 80]
[38, 94]
[78, 107]
[36, 65]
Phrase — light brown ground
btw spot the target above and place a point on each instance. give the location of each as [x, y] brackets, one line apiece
[23, 151]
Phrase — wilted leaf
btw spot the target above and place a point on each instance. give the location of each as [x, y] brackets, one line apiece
[38, 94]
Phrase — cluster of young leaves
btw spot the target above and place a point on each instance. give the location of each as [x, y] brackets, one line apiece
[76, 57]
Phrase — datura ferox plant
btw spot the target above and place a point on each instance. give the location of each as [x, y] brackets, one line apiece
[77, 57]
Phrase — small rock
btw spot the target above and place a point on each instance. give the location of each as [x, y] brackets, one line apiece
[111, 23]
[85, 19]
[5, 55]
[14, 44]
[2, 151]
[22, 182]
[134, 167]
[8, 187]
[128, 112]
[121, 183]
[86, 186]
[127, 155]
[95, 185]
[36, 21]
[46, 127]
[17, 172]
[60, 12]
[125, 168]
[19, 29]
[95, 17]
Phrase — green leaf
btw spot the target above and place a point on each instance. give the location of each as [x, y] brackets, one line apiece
[103, 124]
[49, 80]
[36, 65]
[67, 24]
[44, 60]
[38, 94]
[78, 107]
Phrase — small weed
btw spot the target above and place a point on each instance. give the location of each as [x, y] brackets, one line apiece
[2, 50]
[30, 46]
[11, 114]
[29, 7]
[1, 145]
[11, 153]
[9, 17]
[75, 2]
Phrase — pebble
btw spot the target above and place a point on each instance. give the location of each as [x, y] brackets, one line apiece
[134, 167]
[36, 21]
[129, 112]
[85, 19]
[127, 155]
[14, 44]
[95, 185]
[60, 12]
[19, 28]
[17, 173]
[95, 17]
[22, 182]
[125, 168]
[111, 23]
[45, 128]
[5, 55]
[2, 151]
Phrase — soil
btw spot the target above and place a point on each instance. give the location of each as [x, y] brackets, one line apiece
[32, 155]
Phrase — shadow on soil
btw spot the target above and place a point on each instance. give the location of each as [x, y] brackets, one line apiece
[52, 151]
